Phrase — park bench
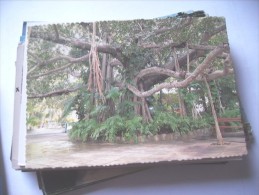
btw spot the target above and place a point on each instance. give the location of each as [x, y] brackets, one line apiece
[225, 123]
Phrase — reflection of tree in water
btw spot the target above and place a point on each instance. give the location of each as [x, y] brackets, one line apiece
[123, 92]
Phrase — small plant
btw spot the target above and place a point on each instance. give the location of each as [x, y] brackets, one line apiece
[113, 126]
[83, 129]
[164, 120]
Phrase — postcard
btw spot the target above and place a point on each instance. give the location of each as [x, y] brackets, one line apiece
[133, 92]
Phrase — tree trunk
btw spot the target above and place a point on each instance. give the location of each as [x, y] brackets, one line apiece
[181, 105]
[218, 132]
[180, 99]
[104, 68]
[137, 108]
[144, 107]
[188, 58]
[221, 108]
[203, 98]
[109, 77]
[160, 97]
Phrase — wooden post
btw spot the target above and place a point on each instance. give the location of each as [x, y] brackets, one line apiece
[218, 133]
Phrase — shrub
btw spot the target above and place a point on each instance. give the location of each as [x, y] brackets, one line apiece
[130, 127]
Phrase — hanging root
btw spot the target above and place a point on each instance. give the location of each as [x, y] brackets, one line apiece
[95, 81]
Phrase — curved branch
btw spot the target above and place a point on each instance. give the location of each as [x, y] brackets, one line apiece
[195, 53]
[159, 71]
[115, 62]
[219, 73]
[180, 84]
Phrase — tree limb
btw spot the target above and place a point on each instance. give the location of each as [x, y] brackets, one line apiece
[159, 31]
[115, 62]
[49, 72]
[179, 84]
[193, 55]
[163, 45]
[207, 36]
[218, 74]
[159, 71]
[71, 62]
[67, 58]
[104, 48]
[54, 93]
[201, 47]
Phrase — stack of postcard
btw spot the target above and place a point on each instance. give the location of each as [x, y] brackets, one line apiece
[113, 97]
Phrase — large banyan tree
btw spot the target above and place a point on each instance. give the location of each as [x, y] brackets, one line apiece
[125, 78]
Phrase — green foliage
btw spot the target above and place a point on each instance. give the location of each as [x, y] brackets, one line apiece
[125, 108]
[114, 93]
[173, 123]
[69, 105]
[113, 126]
[200, 123]
[231, 113]
[108, 130]
[33, 121]
[133, 127]
[164, 120]
[129, 128]
[228, 93]
[98, 110]
[82, 130]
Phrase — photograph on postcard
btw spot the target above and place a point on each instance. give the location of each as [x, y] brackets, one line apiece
[128, 92]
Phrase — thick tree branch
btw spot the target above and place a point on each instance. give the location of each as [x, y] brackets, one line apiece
[49, 72]
[115, 62]
[71, 62]
[219, 74]
[193, 55]
[184, 23]
[150, 81]
[55, 59]
[154, 71]
[207, 36]
[177, 45]
[163, 45]
[54, 93]
[180, 84]
[159, 71]
[201, 47]
[104, 48]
